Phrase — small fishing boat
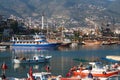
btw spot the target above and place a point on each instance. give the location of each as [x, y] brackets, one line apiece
[44, 76]
[97, 70]
[109, 42]
[66, 43]
[36, 59]
[41, 75]
[91, 42]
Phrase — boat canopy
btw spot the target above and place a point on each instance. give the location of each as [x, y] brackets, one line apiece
[97, 65]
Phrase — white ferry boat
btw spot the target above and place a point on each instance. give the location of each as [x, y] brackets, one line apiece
[38, 42]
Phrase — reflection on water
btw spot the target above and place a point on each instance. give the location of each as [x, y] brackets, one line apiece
[21, 70]
[91, 47]
[29, 53]
[37, 67]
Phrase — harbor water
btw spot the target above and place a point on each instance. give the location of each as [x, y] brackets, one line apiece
[62, 59]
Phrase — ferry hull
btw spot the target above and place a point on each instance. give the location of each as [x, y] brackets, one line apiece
[36, 46]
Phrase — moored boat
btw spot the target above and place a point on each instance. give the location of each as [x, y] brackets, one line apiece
[116, 58]
[41, 75]
[38, 42]
[66, 43]
[109, 42]
[36, 59]
[44, 76]
[97, 70]
[91, 42]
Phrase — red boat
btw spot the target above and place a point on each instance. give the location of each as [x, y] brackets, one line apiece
[97, 71]
[85, 73]
[72, 78]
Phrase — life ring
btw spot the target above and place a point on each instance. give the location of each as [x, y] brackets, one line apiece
[104, 72]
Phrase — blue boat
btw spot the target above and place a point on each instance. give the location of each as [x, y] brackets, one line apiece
[38, 42]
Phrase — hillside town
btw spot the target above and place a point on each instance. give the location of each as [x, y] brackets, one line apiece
[56, 28]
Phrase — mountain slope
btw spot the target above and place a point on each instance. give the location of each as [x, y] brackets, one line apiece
[71, 8]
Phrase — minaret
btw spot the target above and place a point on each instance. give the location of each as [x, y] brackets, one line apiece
[42, 21]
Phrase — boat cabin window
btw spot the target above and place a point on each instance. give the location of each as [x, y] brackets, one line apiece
[46, 76]
[37, 78]
[16, 57]
[98, 65]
